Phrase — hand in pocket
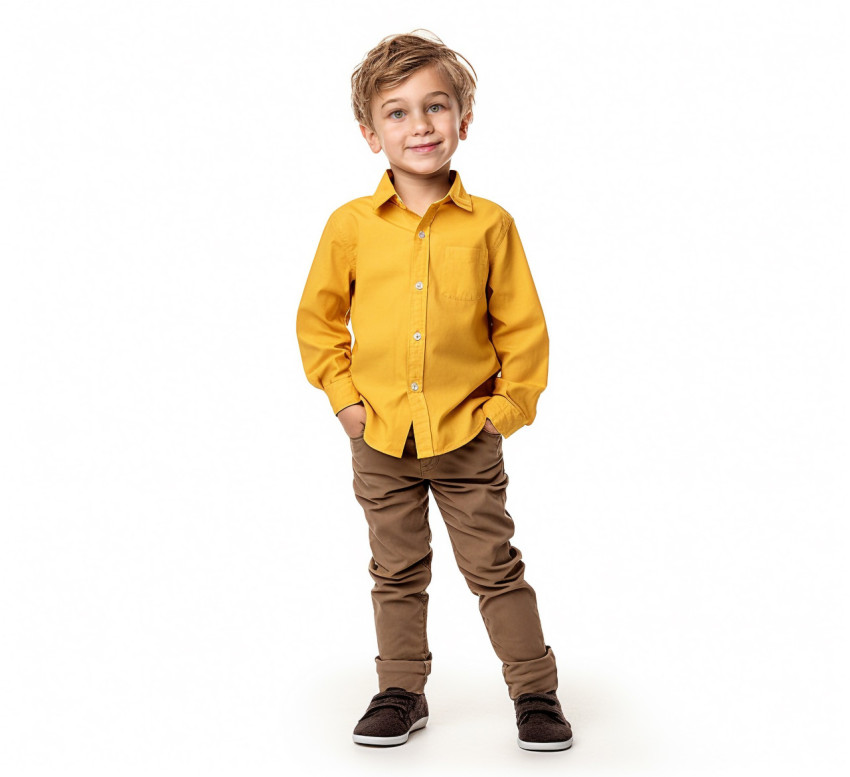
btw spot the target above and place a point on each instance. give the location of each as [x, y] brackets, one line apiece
[488, 427]
[353, 419]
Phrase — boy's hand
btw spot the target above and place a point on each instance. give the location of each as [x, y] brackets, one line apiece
[488, 427]
[353, 419]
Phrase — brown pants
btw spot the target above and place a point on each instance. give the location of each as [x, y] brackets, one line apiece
[469, 485]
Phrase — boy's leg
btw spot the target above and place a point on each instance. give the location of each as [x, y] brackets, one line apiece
[470, 487]
[394, 498]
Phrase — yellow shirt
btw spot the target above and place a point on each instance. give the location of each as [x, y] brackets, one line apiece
[439, 305]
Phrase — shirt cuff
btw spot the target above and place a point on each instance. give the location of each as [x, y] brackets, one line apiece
[342, 393]
[506, 417]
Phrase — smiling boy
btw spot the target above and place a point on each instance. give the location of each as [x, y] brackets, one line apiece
[450, 356]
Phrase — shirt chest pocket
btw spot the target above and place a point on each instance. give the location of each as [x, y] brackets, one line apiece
[461, 273]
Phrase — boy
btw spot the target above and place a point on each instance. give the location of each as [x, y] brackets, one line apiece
[450, 355]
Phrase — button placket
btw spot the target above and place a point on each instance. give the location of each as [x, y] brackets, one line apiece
[416, 343]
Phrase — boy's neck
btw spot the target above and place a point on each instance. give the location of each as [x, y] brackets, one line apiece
[417, 192]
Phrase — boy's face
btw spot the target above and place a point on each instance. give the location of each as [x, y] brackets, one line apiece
[418, 123]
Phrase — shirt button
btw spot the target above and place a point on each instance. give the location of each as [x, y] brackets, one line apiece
[417, 336]
[418, 284]
[421, 234]
[414, 386]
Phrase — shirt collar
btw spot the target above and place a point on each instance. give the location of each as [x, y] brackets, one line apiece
[386, 191]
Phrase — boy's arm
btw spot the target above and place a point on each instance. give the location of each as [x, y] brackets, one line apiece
[518, 333]
[322, 319]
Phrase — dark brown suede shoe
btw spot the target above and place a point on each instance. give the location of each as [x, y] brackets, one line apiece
[390, 717]
[541, 722]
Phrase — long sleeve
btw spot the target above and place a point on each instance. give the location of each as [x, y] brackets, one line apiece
[322, 320]
[519, 336]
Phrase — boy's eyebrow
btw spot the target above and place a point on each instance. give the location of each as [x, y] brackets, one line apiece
[401, 100]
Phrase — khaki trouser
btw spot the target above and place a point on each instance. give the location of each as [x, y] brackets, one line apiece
[469, 486]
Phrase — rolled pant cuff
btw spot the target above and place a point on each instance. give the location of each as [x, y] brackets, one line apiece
[536, 676]
[409, 675]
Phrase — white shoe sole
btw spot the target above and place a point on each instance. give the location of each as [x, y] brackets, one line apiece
[545, 745]
[389, 741]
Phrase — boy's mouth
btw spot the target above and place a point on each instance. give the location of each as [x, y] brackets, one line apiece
[424, 149]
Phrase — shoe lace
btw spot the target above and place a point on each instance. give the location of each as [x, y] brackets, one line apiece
[537, 704]
[396, 699]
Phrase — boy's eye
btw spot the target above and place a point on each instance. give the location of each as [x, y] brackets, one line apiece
[436, 107]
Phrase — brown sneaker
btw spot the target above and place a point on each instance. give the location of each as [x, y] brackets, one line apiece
[541, 722]
[390, 717]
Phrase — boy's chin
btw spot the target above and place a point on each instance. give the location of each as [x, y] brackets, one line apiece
[424, 169]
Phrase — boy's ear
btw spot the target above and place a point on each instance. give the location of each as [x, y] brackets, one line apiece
[371, 138]
[463, 130]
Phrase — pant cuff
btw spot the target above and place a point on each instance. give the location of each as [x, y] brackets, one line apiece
[409, 675]
[536, 676]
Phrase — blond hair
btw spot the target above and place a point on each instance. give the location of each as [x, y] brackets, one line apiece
[396, 58]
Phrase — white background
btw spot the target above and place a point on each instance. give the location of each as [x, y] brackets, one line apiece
[183, 565]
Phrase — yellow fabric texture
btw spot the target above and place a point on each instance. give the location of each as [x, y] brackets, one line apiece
[447, 324]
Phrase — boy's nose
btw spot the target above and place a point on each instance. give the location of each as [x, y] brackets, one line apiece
[423, 122]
